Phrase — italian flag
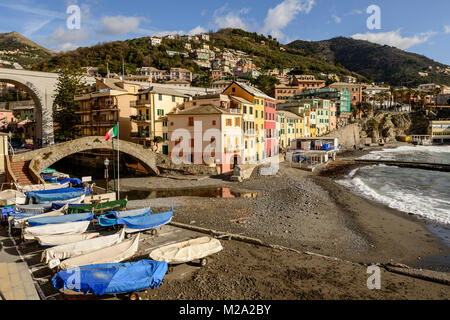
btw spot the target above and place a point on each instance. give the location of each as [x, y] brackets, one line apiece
[111, 133]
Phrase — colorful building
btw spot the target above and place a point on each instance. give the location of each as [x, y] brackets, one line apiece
[151, 107]
[355, 91]
[106, 106]
[258, 98]
[206, 134]
[288, 121]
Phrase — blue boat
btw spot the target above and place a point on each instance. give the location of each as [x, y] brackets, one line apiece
[110, 218]
[142, 223]
[112, 278]
[57, 194]
[61, 219]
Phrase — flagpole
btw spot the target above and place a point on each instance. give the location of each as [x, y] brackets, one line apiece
[118, 160]
[114, 164]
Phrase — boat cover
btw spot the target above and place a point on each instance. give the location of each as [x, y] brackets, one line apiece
[110, 219]
[20, 222]
[113, 254]
[79, 248]
[57, 194]
[51, 179]
[99, 206]
[141, 223]
[58, 240]
[34, 222]
[112, 278]
[56, 206]
[72, 181]
[187, 251]
[53, 229]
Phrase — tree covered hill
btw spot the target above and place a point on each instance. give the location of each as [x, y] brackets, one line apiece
[380, 63]
[29, 53]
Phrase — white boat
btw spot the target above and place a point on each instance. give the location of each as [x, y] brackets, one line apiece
[114, 254]
[187, 251]
[41, 187]
[56, 229]
[59, 240]
[21, 223]
[77, 200]
[53, 256]
[12, 197]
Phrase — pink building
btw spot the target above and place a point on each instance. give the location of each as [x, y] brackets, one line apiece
[333, 116]
[271, 147]
[206, 135]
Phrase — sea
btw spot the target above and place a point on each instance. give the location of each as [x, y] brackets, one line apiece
[423, 193]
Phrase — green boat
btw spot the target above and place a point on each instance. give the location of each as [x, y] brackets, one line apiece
[99, 208]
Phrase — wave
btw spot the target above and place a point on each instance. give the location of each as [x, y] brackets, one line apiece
[418, 192]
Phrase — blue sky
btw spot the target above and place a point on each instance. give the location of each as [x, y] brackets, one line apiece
[408, 24]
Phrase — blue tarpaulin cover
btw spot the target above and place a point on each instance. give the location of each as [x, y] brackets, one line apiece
[73, 181]
[147, 221]
[61, 219]
[112, 278]
[110, 219]
[51, 179]
[57, 194]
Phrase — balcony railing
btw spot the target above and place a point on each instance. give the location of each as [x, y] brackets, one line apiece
[140, 103]
[142, 135]
[140, 118]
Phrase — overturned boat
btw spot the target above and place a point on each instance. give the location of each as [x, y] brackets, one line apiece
[187, 251]
[56, 229]
[61, 239]
[145, 222]
[35, 222]
[58, 195]
[113, 254]
[21, 222]
[110, 219]
[112, 278]
[53, 256]
[41, 187]
[12, 197]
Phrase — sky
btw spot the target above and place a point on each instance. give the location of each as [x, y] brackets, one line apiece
[415, 26]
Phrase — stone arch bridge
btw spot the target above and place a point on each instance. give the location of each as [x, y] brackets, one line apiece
[25, 168]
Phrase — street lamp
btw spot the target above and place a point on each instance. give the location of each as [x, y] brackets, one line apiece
[106, 173]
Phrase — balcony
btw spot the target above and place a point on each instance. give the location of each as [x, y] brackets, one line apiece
[142, 135]
[104, 107]
[146, 119]
[140, 103]
[249, 133]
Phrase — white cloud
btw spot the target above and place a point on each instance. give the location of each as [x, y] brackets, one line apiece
[65, 35]
[394, 38]
[119, 25]
[229, 19]
[447, 29]
[337, 19]
[34, 26]
[196, 30]
[64, 40]
[280, 16]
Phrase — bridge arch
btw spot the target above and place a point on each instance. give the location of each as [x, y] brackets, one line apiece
[42, 88]
[41, 159]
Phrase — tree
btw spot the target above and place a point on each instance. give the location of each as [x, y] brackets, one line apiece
[70, 83]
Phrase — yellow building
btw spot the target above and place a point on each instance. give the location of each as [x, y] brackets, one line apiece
[109, 104]
[288, 128]
[152, 106]
[258, 98]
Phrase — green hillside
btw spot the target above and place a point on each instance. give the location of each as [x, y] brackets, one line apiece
[380, 63]
[31, 52]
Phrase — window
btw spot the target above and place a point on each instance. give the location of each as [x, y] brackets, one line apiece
[165, 136]
[160, 97]
[164, 123]
[262, 114]
[228, 122]
[237, 122]
[214, 122]
[173, 98]
[191, 121]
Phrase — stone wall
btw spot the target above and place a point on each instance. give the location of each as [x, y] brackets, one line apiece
[165, 164]
[348, 136]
